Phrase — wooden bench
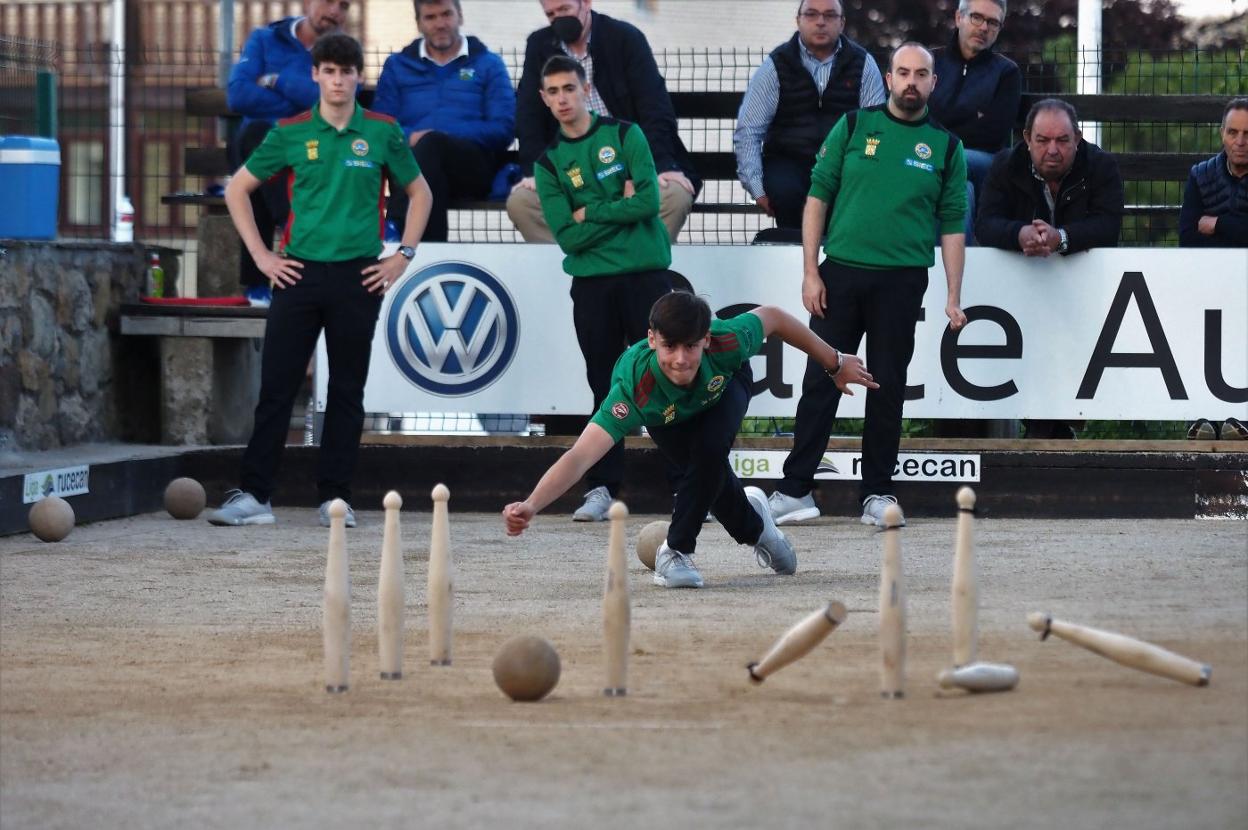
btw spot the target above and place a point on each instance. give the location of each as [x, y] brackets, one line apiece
[722, 165]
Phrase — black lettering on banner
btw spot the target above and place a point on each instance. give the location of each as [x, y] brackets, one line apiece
[1103, 355]
[967, 469]
[857, 467]
[911, 466]
[951, 352]
[948, 468]
[930, 467]
[1214, 378]
[773, 358]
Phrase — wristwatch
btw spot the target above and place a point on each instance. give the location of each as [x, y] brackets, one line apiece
[407, 252]
[840, 364]
[1064, 244]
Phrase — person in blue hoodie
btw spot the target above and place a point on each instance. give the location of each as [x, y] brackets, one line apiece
[453, 98]
[273, 80]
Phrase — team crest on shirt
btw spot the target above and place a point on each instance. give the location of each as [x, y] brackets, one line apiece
[619, 410]
[574, 173]
[923, 151]
[715, 384]
[872, 145]
[359, 147]
[313, 149]
[669, 414]
[606, 155]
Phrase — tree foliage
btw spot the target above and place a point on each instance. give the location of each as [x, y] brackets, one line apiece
[881, 25]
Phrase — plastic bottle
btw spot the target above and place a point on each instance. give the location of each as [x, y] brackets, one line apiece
[155, 276]
[123, 226]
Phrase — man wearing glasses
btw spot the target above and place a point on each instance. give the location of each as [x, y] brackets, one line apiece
[978, 95]
[792, 102]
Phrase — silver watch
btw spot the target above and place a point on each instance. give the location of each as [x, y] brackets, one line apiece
[407, 252]
[1064, 244]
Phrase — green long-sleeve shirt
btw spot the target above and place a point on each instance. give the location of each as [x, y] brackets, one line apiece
[887, 181]
[618, 236]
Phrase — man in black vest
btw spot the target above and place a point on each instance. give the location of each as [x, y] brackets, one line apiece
[791, 104]
[1215, 202]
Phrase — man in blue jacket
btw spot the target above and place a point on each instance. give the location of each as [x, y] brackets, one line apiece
[453, 98]
[273, 80]
[978, 94]
[624, 83]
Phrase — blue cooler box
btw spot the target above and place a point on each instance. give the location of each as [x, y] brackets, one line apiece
[30, 172]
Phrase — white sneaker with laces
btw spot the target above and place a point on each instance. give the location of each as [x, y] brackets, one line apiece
[787, 509]
[242, 508]
[873, 510]
[597, 503]
[323, 514]
[773, 549]
[673, 569]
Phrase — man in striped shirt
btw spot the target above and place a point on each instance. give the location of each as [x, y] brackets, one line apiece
[791, 104]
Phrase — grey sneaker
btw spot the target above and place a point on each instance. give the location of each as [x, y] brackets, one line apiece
[324, 514]
[673, 569]
[597, 503]
[773, 550]
[873, 510]
[786, 509]
[241, 508]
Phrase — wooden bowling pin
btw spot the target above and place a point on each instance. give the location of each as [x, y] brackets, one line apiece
[964, 600]
[390, 599]
[616, 613]
[336, 610]
[1128, 651]
[892, 609]
[799, 640]
[441, 591]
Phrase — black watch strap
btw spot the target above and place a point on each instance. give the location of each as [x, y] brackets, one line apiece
[407, 252]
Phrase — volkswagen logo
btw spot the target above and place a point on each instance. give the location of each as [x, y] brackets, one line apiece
[452, 328]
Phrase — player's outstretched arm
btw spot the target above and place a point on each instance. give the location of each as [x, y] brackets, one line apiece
[592, 445]
[844, 369]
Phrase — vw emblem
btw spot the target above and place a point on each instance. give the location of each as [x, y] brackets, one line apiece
[452, 328]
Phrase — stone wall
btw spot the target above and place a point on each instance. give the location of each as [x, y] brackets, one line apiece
[66, 375]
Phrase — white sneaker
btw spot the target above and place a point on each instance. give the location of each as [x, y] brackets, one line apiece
[323, 513]
[242, 508]
[773, 549]
[873, 510]
[787, 510]
[673, 569]
[597, 503]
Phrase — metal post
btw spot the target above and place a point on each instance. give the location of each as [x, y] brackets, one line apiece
[225, 55]
[1089, 44]
[117, 112]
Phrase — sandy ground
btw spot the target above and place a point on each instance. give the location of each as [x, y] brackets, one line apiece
[156, 673]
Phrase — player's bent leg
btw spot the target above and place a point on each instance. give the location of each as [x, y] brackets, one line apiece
[773, 549]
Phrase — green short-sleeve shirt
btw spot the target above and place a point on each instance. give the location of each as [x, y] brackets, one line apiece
[335, 179]
[641, 395]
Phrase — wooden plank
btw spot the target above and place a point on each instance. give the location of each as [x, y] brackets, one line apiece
[207, 102]
[193, 327]
[1157, 108]
[706, 104]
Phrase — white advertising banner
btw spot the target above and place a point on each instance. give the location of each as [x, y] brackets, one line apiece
[847, 466]
[1130, 333]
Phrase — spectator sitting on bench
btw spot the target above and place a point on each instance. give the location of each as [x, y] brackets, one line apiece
[793, 101]
[272, 80]
[979, 90]
[453, 98]
[1215, 215]
[1053, 193]
[624, 83]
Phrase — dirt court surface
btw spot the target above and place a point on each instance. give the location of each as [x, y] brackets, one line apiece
[156, 673]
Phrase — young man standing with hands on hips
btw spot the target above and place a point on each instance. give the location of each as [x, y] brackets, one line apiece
[336, 157]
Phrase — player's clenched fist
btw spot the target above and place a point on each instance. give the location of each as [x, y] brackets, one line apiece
[517, 516]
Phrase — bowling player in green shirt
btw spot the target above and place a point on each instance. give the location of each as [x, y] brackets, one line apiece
[689, 384]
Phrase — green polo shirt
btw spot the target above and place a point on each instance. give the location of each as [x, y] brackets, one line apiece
[641, 395]
[885, 180]
[335, 181]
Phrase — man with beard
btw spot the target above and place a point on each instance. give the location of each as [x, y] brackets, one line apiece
[624, 83]
[884, 167]
[272, 80]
